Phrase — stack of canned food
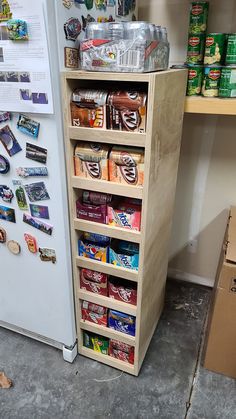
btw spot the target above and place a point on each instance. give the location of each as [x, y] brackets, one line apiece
[211, 59]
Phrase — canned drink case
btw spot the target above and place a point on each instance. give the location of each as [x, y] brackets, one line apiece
[91, 160]
[93, 281]
[96, 198]
[215, 48]
[126, 165]
[90, 98]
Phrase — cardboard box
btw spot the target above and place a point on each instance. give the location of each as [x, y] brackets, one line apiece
[220, 350]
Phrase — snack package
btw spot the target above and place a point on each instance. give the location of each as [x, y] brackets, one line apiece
[121, 322]
[96, 238]
[93, 251]
[119, 256]
[121, 351]
[96, 342]
[127, 111]
[91, 160]
[124, 215]
[88, 108]
[126, 165]
[96, 198]
[94, 313]
[96, 213]
[122, 290]
[93, 281]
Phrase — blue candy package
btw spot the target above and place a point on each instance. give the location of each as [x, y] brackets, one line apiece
[121, 322]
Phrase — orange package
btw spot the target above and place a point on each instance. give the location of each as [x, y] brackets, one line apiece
[126, 165]
[91, 160]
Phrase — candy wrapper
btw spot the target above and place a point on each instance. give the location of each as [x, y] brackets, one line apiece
[94, 313]
[126, 165]
[121, 351]
[96, 213]
[124, 215]
[121, 322]
[91, 161]
[93, 281]
[96, 342]
[122, 290]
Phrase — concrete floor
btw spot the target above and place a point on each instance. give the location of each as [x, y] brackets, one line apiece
[171, 385]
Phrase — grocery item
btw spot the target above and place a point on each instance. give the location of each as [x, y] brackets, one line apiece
[211, 81]
[231, 49]
[228, 82]
[122, 290]
[126, 111]
[96, 213]
[119, 256]
[124, 215]
[121, 322]
[96, 238]
[215, 48]
[88, 108]
[195, 75]
[91, 160]
[198, 17]
[94, 313]
[96, 198]
[91, 250]
[196, 46]
[96, 342]
[93, 281]
[126, 46]
[121, 351]
[126, 165]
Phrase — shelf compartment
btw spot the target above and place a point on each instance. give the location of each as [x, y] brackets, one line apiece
[108, 302]
[107, 268]
[107, 332]
[107, 76]
[214, 106]
[107, 187]
[108, 360]
[106, 230]
[133, 139]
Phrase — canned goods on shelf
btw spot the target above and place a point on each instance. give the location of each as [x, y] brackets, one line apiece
[194, 84]
[231, 49]
[211, 81]
[228, 82]
[196, 46]
[198, 17]
[215, 48]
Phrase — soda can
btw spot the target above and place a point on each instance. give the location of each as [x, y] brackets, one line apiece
[89, 98]
[231, 49]
[228, 82]
[198, 17]
[196, 45]
[194, 84]
[215, 48]
[211, 81]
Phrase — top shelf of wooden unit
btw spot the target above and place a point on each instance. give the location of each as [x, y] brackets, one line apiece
[213, 106]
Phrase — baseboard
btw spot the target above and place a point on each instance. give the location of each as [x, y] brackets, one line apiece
[187, 277]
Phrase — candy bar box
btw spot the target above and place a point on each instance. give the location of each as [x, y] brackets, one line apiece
[93, 281]
[121, 322]
[91, 160]
[121, 351]
[94, 313]
[126, 165]
[122, 290]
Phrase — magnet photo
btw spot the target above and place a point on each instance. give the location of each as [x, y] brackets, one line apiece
[28, 126]
[47, 255]
[39, 211]
[9, 141]
[36, 153]
[71, 57]
[5, 116]
[37, 191]
[33, 222]
[4, 165]
[31, 171]
[20, 195]
[17, 30]
[7, 214]
[6, 193]
[31, 243]
[3, 235]
[72, 28]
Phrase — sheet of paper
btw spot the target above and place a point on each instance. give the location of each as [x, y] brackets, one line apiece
[25, 80]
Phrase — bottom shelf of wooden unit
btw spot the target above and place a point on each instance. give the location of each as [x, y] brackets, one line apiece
[108, 360]
[107, 332]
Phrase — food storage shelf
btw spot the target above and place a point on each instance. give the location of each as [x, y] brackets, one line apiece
[107, 332]
[107, 187]
[132, 139]
[108, 360]
[106, 230]
[214, 106]
[107, 268]
[108, 302]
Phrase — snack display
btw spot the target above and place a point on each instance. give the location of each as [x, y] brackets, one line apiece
[91, 160]
[124, 46]
[122, 290]
[94, 250]
[121, 351]
[88, 108]
[93, 281]
[126, 165]
[121, 255]
[124, 214]
[96, 343]
[94, 313]
[121, 322]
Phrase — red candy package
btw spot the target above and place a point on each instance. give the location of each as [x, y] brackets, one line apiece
[121, 351]
[94, 313]
[122, 290]
[93, 281]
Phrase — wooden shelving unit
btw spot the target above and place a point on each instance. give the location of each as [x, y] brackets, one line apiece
[161, 142]
[214, 106]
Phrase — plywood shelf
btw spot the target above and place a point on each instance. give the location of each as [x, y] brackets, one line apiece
[107, 332]
[214, 106]
[107, 268]
[106, 230]
[133, 139]
[107, 187]
[108, 360]
[108, 302]
[165, 110]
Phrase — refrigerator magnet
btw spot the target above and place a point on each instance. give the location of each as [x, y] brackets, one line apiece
[36, 153]
[4, 165]
[20, 194]
[5, 116]
[101, 4]
[37, 192]
[47, 255]
[31, 243]
[9, 141]
[7, 214]
[14, 247]
[67, 3]
[33, 222]
[28, 126]
[72, 28]
[86, 21]
[71, 57]
[32, 171]
[17, 30]
[3, 235]
[6, 193]
[88, 4]
[39, 211]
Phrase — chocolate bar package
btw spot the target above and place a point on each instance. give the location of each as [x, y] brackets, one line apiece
[88, 108]
[126, 165]
[126, 258]
[127, 111]
[121, 351]
[94, 313]
[121, 322]
[91, 160]
[93, 251]
[96, 342]
[124, 215]
[122, 290]
[96, 213]
[93, 281]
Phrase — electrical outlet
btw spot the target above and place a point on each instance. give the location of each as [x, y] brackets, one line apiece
[192, 246]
